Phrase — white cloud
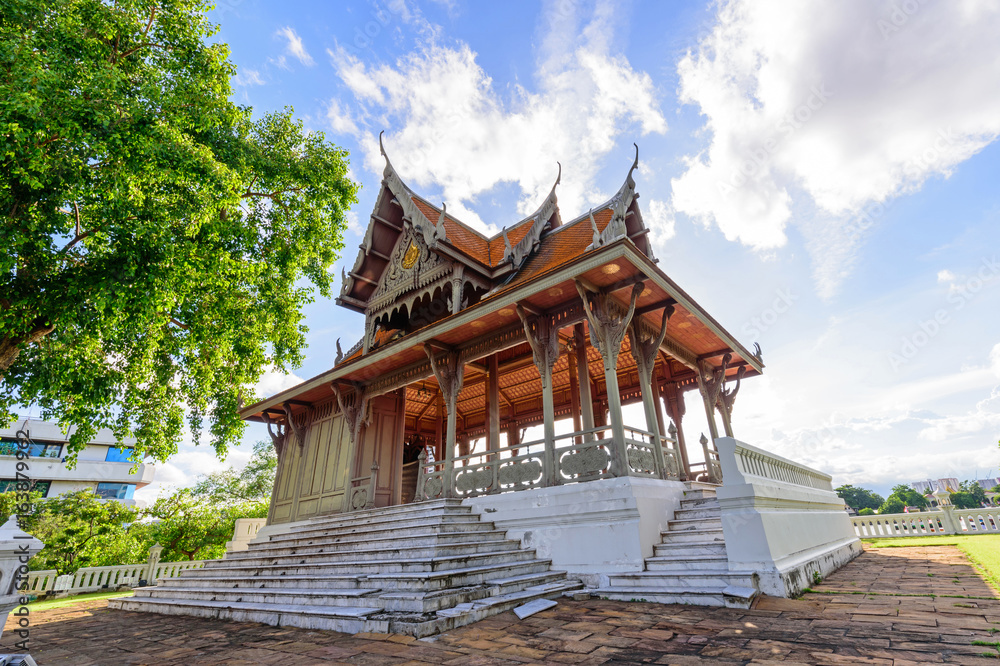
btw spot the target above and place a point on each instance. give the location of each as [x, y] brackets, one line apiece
[449, 126]
[294, 48]
[248, 77]
[340, 118]
[659, 218]
[946, 276]
[274, 381]
[818, 105]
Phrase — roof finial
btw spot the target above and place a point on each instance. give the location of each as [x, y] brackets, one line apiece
[381, 148]
[559, 175]
[635, 165]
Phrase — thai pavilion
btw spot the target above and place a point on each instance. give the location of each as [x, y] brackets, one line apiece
[409, 497]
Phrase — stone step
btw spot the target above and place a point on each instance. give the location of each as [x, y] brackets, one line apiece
[694, 525]
[386, 538]
[673, 580]
[429, 507]
[683, 550]
[462, 577]
[691, 596]
[688, 563]
[698, 513]
[287, 566]
[700, 493]
[459, 523]
[492, 575]
[358, 598]
[346, 618]
[330, 618]
[397, 551]
[703, 503]
[338, 583]
[693, 536]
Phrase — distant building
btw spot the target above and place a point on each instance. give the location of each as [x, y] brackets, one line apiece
[949, 484]
[100, 466]
[988, 484]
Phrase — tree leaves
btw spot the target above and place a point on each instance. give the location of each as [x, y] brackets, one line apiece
[158, 242]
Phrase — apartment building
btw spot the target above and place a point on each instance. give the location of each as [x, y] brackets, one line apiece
[101, 466]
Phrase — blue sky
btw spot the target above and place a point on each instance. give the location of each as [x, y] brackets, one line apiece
[821, 176]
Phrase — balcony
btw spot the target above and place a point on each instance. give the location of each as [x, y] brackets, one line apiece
[53, 469]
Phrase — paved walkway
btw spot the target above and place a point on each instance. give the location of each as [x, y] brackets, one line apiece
[890, 606]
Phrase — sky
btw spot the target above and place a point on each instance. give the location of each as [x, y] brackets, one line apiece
[821, 176]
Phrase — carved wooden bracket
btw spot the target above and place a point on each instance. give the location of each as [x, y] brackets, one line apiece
[355, 410]
[449, 374]
[300, 430]
[727, 397]
[543, 339]
[607, 330]
[278, 434]
[645, 348]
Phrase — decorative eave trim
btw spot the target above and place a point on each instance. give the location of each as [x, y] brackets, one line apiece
[619, 204]
[539, 223]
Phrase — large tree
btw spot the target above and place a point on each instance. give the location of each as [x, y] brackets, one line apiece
[158, 243]
[859, 498]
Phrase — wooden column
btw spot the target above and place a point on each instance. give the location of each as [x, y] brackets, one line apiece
[439, 427]
[607, 330]
[543, 337]
[709, 384]
[574, 397]
[727, 397]
[645, 346]
[354, 409]
[675, 410]
[583, 378]
[449, 373]
[493, 403]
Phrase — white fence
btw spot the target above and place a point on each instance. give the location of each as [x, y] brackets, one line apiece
[946, 520]
[93, 579]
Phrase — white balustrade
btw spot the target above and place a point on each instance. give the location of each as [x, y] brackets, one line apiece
[946, 520]
[584, 455]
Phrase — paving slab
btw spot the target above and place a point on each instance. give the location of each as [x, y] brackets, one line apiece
[882, 608]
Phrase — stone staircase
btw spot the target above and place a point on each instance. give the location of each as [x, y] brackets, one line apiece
[415, 569]
[690, 565]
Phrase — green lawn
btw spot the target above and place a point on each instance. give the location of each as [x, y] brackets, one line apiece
[982, 549]
[42, 604]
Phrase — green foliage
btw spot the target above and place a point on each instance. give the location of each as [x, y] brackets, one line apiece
[859, 498]
[976, 491]
[252, 484]
[158, 242]
[908, 496]
[78, 529]
[866, 512]
[892, 505]
[193, 527]
[964, 500]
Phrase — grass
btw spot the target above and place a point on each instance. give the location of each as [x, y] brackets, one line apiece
[983, 550]
[42, 604]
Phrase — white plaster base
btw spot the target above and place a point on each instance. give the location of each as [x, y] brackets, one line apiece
[589, 530]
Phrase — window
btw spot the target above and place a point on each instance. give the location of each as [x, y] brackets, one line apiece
[115, 490]
[9, 447]
[118, 455]
[10, 485]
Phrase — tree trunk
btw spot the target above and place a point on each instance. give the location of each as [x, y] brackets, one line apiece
[10, 346]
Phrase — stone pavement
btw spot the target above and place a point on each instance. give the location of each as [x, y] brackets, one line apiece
[890, 606]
